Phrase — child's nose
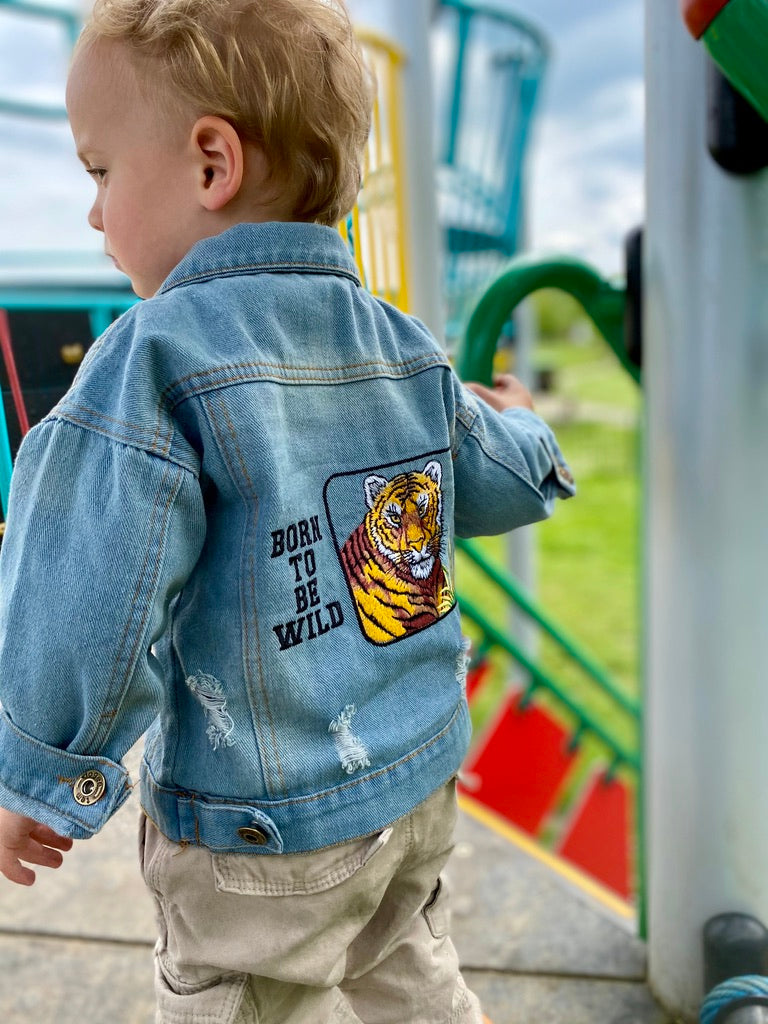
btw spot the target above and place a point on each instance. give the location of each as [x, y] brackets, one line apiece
[94, 217]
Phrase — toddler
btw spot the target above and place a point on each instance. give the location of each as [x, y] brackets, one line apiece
[235, 534]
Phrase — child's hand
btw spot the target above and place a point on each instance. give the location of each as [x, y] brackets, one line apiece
[507, 393]
[26, 839]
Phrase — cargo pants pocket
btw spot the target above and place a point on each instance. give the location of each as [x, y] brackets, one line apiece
[218, 999]
[296, 874]
[437, 910]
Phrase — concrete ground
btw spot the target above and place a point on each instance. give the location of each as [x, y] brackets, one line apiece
[537, 948]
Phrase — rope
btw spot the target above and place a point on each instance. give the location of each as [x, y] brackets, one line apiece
[749, 990]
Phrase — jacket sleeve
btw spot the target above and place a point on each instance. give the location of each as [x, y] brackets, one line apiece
[508, 468]
[100, 537]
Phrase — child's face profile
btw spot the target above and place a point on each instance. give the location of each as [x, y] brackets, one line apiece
[139, 161]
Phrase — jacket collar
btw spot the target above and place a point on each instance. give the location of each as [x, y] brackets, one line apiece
[265, 248]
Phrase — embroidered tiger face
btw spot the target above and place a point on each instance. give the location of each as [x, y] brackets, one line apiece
[392, 560]
[405, 518]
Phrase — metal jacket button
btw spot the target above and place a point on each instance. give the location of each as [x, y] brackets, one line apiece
[253, 835]
[89, 788]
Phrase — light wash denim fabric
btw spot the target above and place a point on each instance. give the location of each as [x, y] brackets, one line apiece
[236, 532]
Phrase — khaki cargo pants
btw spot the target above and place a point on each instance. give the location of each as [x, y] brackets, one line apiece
[354, 934]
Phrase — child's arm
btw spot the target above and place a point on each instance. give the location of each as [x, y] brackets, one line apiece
[508, 467]
[101, 536]
[24, 839]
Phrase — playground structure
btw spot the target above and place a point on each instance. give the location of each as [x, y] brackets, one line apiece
[488, 65]
[734, 32]
[706, 840]
[704, 271]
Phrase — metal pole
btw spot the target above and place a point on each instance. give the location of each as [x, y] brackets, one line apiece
[706, 378]
[409, 20]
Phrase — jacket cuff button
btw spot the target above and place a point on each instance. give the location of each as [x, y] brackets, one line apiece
[253, 836]
[89, 788]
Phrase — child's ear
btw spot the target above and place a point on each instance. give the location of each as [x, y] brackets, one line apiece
[218, 153]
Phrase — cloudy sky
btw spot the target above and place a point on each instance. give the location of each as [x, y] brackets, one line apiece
[585, 165]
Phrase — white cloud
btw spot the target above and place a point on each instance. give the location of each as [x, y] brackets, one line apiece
[586, 177]
[600, 48]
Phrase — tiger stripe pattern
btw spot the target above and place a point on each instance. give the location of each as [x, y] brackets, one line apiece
[392, 559]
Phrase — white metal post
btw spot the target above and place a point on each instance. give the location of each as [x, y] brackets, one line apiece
[706, 379]
[410, 20]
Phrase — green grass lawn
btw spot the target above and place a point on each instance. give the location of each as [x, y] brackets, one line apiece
[588, 551]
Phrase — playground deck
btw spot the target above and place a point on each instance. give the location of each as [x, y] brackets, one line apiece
[536, 947]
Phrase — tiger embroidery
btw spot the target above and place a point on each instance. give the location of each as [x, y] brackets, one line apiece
[392, 560]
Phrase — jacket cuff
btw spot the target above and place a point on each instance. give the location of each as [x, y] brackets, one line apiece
[74, 794]
[566, 486]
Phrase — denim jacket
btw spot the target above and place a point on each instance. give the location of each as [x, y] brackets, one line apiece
[235, 533]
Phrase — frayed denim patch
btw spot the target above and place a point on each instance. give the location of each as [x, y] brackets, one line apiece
[350, 748]
[210, 693]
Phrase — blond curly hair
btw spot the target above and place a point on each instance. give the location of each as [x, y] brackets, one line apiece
[288, 75]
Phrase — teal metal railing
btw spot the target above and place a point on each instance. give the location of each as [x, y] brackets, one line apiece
[488, 67]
